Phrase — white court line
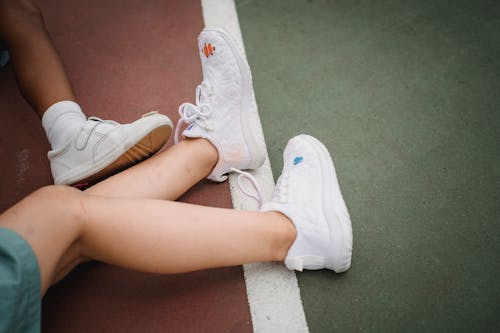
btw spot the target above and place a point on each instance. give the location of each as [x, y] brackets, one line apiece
[273, 292]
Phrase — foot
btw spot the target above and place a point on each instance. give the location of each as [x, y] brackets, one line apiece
[225, 112]
[103, 147]
[308, 193]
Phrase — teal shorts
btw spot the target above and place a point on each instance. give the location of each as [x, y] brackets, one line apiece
[20, 293]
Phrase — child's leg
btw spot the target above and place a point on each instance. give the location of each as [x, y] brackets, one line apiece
[62, 225]
[143, 234]
[171, 237]
[165, 176]
[83, 151]
[223, 103]
[39, 71]
[46, 220]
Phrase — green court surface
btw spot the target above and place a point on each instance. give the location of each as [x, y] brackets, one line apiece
[406, 96]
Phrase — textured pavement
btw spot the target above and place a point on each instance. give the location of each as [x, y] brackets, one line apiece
[405, 94]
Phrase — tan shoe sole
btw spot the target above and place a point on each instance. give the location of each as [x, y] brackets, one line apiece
[144, 149]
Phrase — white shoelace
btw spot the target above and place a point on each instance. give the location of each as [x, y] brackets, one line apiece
[251, 179]
[190, 113]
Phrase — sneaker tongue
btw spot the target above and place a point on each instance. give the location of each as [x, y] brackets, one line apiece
[194, 131]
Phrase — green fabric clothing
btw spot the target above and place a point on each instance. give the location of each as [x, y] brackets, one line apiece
[20, 295]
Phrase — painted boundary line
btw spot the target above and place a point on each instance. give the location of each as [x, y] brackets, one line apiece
[273, 291]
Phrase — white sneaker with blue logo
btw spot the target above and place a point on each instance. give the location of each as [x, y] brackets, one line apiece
[104, 147]
[308, 193]
[225, 112]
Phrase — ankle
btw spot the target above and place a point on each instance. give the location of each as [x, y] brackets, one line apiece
[61, 121]
[285, 235]
[206, 151]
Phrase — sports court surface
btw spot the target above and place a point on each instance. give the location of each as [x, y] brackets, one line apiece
[405, 95]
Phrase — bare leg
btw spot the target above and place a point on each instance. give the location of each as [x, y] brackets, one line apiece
[36, 62]
[173, 237]
[165, 176]
[46, 220]
[144, 234]
[39, 71]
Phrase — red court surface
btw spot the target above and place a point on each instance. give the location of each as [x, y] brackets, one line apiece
[124, 58]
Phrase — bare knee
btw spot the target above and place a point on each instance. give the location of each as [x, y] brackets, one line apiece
[51, 203]
[64, 201]
[49, 220]
[57, 194]
[52, 192]
[16, 12]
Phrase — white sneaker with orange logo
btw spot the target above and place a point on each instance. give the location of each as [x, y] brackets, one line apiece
[224, 112]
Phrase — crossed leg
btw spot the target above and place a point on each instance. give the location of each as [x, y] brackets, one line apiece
[165, 176]
[65, 226]
[121, 220]
[124, 220]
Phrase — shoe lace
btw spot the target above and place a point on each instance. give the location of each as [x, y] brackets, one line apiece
[253, 182]
[190, 113]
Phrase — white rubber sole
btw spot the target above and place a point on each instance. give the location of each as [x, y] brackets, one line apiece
[336, 214]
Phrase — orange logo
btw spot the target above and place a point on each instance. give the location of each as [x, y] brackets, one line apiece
[208, 49]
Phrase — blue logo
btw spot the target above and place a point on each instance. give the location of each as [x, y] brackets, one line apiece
[189, 127]
[297, 160]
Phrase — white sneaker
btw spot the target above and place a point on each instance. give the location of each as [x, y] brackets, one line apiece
[308, 193]
[104, 147]
[225, 112]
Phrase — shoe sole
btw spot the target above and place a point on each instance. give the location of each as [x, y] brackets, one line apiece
[337, 216]
[94, 171]
[138, 153]
[250, 120]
